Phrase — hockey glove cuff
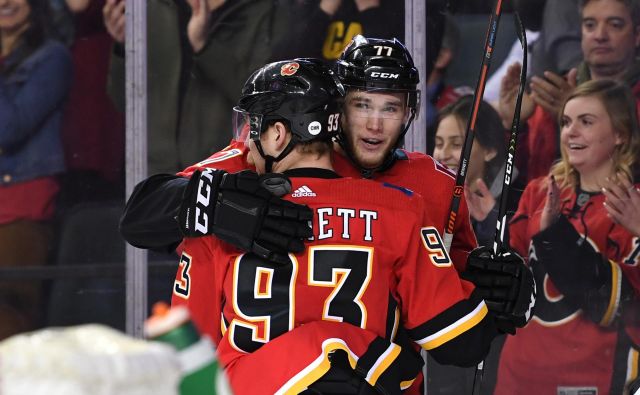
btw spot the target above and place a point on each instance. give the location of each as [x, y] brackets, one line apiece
[505, 283]
[195, 215]
[241, 210]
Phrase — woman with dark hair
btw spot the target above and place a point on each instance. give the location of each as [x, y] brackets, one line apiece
[483, 188]
[35, 74]
[486, 164]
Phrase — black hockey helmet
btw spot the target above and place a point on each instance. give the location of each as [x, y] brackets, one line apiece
[374, 64]
[304, 93]
[379, 64]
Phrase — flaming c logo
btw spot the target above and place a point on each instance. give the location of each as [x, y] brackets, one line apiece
[457, 191]
[289, 69]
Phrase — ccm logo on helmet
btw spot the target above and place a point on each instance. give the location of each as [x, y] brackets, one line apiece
[377, 74]
[289, 69]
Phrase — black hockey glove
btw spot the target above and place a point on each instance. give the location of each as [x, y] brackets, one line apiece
[505, 283]
[242, 210]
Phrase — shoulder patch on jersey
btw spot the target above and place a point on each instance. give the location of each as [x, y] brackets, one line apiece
[404, 190]
[221, 156]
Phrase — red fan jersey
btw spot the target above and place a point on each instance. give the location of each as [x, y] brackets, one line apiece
[413, 170]
[375, 262]
[561, 351]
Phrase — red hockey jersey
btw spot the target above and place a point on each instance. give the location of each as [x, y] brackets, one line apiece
[434, 182]
[374, 263]
[561, 351]
[415, 171]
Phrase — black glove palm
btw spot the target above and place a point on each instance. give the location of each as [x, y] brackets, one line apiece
[239, 209]
[505, 283]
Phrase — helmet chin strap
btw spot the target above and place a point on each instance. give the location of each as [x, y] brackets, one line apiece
[269, 160]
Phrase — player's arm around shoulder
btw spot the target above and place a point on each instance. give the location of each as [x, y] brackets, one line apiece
[441, 312]
[148, 220]
[438, 190]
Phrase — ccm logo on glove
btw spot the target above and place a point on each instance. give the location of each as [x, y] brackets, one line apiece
[203, 200]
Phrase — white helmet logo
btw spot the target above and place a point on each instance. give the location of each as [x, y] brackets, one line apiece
[393, 76]
[314, 128]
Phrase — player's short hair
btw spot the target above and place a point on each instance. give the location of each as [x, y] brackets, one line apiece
[620, 104]
[318, 148]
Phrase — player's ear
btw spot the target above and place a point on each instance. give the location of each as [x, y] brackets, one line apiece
[281, 135]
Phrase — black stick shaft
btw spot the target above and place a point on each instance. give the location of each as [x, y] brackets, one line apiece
[498, 244]
[471, 123]
[501, 224]
[458, 188]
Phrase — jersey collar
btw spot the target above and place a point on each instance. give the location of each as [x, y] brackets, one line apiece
[312, 172]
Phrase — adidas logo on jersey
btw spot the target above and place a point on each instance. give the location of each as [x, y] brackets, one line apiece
[303, 191]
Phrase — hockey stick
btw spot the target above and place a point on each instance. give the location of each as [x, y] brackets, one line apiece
[498, 244]
[471, 124]
[468, 144]
[461, 176]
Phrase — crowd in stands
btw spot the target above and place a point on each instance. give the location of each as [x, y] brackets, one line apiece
[574, 202]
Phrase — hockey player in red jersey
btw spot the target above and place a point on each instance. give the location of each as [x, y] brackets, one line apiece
[584, 264]
[370, 148]
[375, 261]
[377, 113]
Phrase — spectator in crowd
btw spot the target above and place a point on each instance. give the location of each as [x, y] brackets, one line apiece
[486, 163]
[35, 74]
[92, 129]
[438, 93]
[586, 286]
[610, 38]
[557, 48]
[485, 174]
[199, 53]
[531, 14]
[322, 29]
